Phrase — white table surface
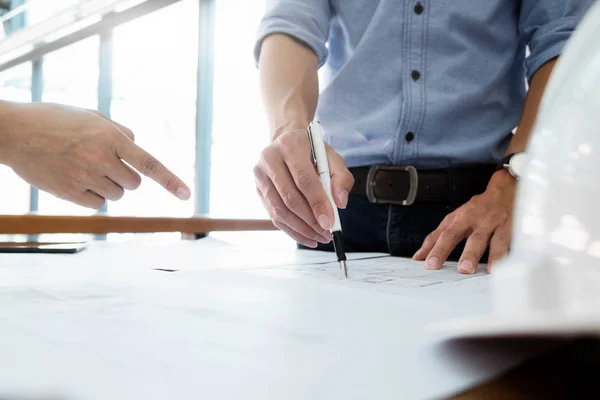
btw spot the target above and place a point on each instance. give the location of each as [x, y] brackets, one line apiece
[235, 323]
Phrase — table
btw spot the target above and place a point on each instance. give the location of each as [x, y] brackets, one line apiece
[568, 372]
[564, 372]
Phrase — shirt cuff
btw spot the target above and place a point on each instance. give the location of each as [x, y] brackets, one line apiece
[274, 25]
[548, 42]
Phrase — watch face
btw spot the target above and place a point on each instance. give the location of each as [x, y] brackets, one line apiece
[517, 164]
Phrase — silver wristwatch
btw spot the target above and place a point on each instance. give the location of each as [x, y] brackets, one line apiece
[514, 163]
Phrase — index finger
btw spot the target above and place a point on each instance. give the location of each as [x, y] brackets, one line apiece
[152, 168]
[309, 183]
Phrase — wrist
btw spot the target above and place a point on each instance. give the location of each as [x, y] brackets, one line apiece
[502, 179]
[8, 131]
[289, 126]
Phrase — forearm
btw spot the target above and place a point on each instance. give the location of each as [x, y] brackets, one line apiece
[530, 109]
[289, 83]
[521, 137]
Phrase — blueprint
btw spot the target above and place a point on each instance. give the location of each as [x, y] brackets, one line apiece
[113, 323]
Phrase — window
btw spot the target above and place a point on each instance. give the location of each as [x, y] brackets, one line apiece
[15, 85]
[240, 129]
[42, 10]
[154, 94]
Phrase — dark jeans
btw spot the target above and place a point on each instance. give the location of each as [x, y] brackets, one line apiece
[382, 228]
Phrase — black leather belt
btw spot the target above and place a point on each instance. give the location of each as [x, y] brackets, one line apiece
[405, 185]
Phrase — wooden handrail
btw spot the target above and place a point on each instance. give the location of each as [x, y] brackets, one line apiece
[100, 224]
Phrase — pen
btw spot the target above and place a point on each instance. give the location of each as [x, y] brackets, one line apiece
[319, 155]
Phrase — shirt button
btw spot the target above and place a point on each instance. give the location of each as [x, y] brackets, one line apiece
[415, 75]
[409, 137]
[419, 9]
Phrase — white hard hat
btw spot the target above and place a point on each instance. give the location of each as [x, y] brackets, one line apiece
[550, 282]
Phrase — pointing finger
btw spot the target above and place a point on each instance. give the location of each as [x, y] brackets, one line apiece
[153, 169]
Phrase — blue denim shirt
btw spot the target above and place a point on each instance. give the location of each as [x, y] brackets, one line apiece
[422, 82]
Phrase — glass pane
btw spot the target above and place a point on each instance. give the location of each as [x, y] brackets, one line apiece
[239, 128]
[154, 94]
[71, 74]
[15, 85]
[70, 77]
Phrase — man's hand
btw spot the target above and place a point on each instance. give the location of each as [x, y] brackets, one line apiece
[79, 155]
[291, 190]
[486, 220]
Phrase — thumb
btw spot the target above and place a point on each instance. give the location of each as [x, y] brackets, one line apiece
[342, 180]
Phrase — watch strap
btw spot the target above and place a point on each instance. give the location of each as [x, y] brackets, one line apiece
[505, 161]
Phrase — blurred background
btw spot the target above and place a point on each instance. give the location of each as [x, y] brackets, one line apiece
[179, 73]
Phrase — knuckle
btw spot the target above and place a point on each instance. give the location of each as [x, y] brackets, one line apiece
[475, 199]
[429, 241]
[150, 165]
[501, 215]
[488, 220]
[479, 236]
[452, 235]
[279, 212]
[291, 199]
[465, 213]
[304, 180]
[502, 239]
[318, 204]
[449, 219]
[267, 155]
[172, 184]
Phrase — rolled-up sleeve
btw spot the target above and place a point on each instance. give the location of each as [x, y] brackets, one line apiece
[304, 20]
[546, 25]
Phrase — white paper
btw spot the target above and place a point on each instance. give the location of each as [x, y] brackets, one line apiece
[396, 275]
[224, 333]
[207, 253]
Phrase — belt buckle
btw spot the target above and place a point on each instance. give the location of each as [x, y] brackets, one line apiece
[412, 177]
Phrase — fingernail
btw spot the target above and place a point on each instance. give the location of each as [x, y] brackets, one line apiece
[432, 263]
[324, 222]
[466, 267]
[312, 245]
[183, 193]
[343, 199]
